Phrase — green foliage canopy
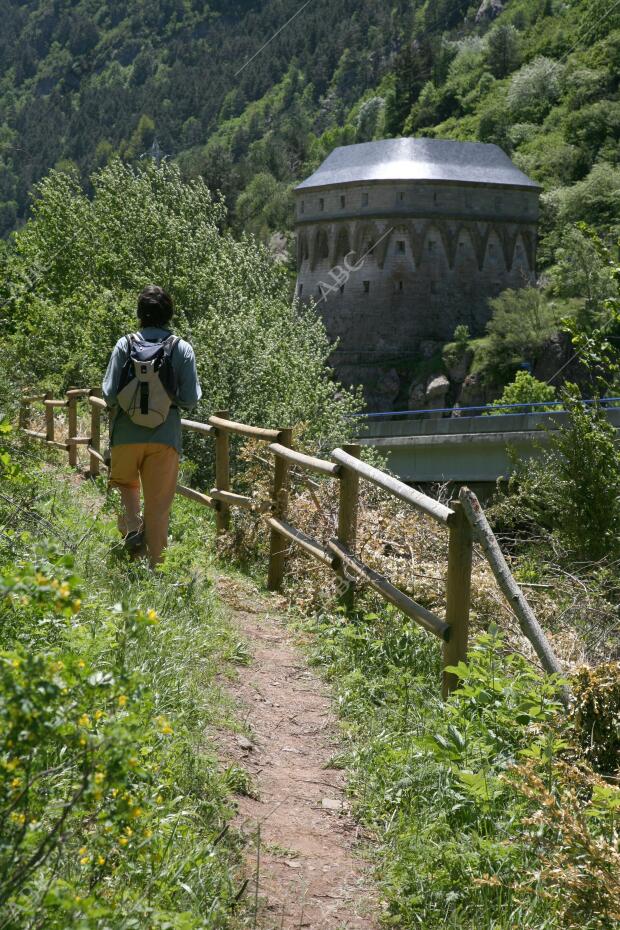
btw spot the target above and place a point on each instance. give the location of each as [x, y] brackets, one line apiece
[76, 268]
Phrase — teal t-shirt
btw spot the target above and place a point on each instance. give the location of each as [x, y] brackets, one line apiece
[124, 431]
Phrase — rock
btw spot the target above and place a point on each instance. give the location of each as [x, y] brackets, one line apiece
[436, 389]
[472, 393]
[555, 353]
[488, 10]
[385, 390]
[429, 347]
[245, 744]
[278, 246]
[458, 364]
[417, 390]
[331, 804]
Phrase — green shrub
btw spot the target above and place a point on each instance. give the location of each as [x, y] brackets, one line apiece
[597, 716]
[525, 389]
[76, 269]
[573, 489]
[112, 811]
[534, 89]
[521, 323]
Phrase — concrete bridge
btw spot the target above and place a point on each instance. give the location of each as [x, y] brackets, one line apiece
[429, 446]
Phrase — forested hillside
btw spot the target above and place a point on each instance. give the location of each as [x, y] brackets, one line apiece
[81, 81]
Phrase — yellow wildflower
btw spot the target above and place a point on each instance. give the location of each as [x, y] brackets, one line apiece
[152, 615]
[99, 714]
[16, 783]
[84, 860]
[76, 605]
[122, 700]
[164, 726]
[99, 777]
[136, 812]
[123, 841]
[16, 663]
[84, 720]
[101, 860]
[81, 664]
[19, 819]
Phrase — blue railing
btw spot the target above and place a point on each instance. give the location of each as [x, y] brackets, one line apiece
[526, 407]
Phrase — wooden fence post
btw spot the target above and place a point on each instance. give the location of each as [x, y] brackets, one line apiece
[24, 413]
[49, 420]
[347, 519]
[458, 595]
[72, 429]
[222, 473]
[95, 434]
[278, 543]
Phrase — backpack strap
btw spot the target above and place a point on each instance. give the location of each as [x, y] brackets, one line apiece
[170, 344]
[131, 339]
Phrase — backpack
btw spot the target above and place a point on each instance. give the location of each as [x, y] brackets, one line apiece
[148, 383]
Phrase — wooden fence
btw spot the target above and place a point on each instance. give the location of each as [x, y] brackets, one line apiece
[344, 467]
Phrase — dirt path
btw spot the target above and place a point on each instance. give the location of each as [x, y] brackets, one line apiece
[309, 875]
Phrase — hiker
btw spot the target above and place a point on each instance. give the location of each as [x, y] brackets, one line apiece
[151, 373]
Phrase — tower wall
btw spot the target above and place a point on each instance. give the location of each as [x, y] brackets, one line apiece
[392, 264]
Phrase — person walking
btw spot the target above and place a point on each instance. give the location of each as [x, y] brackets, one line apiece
[150, 375]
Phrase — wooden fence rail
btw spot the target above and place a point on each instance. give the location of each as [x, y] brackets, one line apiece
[340, 553]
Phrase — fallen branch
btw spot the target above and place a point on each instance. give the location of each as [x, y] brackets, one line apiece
[509, 587]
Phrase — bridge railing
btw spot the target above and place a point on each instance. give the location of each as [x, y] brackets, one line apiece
[339, 555]
[543, 406]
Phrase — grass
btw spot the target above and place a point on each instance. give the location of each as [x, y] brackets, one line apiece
[449, 792]
[459, 839]
[177, 864]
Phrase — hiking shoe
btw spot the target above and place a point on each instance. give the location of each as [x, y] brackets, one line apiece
[134, 541]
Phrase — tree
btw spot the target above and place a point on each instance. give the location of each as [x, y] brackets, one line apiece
[369, 118]
[411, 71]
[581, 271]
[264, 205]
[503, 49]
[573, 490]
[521, 323]
[595, 200]
[258, 354]
[525, 389]
[534, 88]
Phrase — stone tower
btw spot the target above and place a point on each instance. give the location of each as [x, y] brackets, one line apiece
[399, 241]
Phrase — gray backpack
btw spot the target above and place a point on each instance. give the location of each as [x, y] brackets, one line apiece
[148, 384]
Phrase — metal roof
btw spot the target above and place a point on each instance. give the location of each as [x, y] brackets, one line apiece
[418, 160]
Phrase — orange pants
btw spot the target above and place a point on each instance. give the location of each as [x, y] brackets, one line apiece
[156, 466]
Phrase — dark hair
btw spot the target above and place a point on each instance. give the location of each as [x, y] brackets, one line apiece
[155, 307]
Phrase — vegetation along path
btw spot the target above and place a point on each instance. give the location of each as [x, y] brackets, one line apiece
[300, 838]
[271, 722]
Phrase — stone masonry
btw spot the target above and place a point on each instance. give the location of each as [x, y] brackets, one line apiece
[399, 241]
